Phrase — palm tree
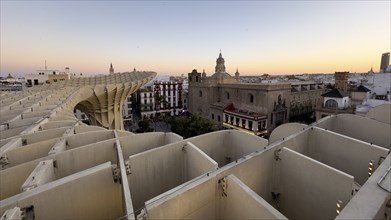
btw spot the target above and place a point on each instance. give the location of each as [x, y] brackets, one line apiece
[158, 100]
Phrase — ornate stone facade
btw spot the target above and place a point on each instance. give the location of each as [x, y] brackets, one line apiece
[254, 107]
[257, 108]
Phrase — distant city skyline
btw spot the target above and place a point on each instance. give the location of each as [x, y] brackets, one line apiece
[174, 37]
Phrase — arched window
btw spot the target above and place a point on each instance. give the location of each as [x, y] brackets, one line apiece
[331, 103]
[200, 93]
[251, 96]
[227, 95]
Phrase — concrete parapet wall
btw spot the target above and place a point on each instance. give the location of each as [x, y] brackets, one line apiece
[243, 203]
[12, 178]
[42, 174]
[74, 197]
[198, 203]
[284, 130]
[158, 170]
[310, 189]
[142, 142]
[84, 157]
[346, 154]
[361, 128]
[257, 172]
[29, 152]
[227, 146]
[370, 201]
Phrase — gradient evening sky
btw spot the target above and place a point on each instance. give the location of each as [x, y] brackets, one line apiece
[174, 37]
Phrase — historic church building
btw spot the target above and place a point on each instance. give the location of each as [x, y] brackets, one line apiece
[255, 108]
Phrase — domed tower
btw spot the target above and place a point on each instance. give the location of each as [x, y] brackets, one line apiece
[220, 67]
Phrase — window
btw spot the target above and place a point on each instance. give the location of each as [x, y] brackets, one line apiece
[129, 112]
[237, 121]
[271, 118]
[331, 103]
[54, 80]
[145, 101]
[35, 81]
[218, 118]
[83, 116]
[250, 125]
[251, 98]
[200, 93]
[227, 95]
[129, 99]
[129, 106]
[196, 78]
[145, 95]
[213, 116]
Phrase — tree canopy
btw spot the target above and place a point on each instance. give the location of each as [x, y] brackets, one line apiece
[190, 126]
[144, 126]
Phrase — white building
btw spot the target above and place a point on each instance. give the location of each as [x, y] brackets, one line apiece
[127, 109]
[368, 105]
[171, 95]
[378, 83]
[336, 99]
[146, 102]
[43, 76]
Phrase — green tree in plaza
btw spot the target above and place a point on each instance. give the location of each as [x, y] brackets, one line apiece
[190, 126]
[144, 126]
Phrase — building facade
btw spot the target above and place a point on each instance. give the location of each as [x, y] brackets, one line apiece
[168, 97]
[385, 62]
[304, 98]
[253, 107]
[146, 102]
[127, 110]
[46, 76]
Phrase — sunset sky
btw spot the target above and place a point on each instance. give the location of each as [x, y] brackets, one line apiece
[174, 37]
